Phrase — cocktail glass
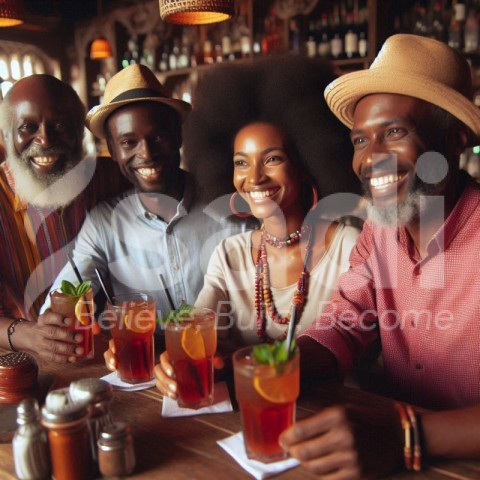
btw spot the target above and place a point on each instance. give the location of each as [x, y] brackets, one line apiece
[266, 396]
[132, 319]
[191, 344]
[80, 308]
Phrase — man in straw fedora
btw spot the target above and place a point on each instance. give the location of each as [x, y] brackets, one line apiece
[160, 226]
[413, 280]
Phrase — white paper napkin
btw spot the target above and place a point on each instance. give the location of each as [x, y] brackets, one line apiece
[236, 448]
[221, 403]
[117, 384]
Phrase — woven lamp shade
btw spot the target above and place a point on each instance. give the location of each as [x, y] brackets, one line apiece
[11, 13]
[100, 49]
[196, 12]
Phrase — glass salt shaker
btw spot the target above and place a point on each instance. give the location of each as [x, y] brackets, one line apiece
[98, 394]
[30, 445]
[116, 456]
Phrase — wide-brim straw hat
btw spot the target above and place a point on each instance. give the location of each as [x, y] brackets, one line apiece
[416, 66]
[136, 83]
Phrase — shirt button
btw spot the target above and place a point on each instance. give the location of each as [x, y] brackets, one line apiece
[175, 267]
[418, 366]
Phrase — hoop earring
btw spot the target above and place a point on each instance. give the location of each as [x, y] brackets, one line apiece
[234, 210]
[315, 197]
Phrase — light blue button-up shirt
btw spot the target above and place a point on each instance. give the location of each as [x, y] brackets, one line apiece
[131, 247]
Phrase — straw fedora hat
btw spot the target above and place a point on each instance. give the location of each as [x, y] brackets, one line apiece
[136, 83]
[411, 65]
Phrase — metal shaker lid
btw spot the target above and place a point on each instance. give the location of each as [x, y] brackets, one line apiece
[92, 390]
[59, 408]
[114, 434]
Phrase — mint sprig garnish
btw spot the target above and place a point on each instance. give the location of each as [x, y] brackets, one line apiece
[69, 288]
[273, 353]
[177, 315]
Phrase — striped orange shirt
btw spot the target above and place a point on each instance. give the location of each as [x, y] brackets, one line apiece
[34, 242]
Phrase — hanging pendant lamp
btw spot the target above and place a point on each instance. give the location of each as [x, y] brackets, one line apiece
[196, 12]
[11, 13]
[100, 47]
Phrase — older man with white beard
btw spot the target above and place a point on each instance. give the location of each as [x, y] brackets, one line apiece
[46, 189]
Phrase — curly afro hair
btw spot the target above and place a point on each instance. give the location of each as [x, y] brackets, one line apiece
[284, 90]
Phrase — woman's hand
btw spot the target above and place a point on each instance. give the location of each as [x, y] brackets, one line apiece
[110, 356]
[49, 338]
[346, 443]
[165, 377]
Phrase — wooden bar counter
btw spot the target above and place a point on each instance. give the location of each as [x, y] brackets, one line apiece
[186, 448]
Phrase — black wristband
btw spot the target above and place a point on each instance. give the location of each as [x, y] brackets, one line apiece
[11, 330]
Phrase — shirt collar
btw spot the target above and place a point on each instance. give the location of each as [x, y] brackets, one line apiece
[184, 205]
[468, 202]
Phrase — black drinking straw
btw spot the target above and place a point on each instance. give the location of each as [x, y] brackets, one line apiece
[100, 279]
[291, 328]
[75, 269]
[164, 285]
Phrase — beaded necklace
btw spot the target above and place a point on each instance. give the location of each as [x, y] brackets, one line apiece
[264, 303]
[286, 241]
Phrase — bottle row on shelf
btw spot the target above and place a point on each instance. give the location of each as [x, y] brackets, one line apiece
[337, 31]
[454, 22]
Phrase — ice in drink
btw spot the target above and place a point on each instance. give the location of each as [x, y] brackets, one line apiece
[132, 319]
[80, 308]
[191, 344]
[266, 396]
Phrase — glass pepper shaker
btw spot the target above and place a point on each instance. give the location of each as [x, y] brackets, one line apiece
[98, 394]
[116, 456]
[30, 445]
[68, 437]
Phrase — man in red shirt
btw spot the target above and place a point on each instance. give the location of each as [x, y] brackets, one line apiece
[413, 280]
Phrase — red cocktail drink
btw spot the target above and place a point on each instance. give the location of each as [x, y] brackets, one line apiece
[80, 309]
[266, 396]
[132, 319]
[191, 344]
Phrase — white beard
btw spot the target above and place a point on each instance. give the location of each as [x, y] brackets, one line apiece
[395, 215]
[53, 191]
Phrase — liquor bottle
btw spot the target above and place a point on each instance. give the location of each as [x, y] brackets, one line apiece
[471, 31]
[311, 43]
[173, 57]
[362, 45]
[324, 41]
[457, 23]
[245, 38]
[351, 35]
[336, 40]
[208, 52]
[324, 46]
[127, 56]
[438, 29]
[227, 47]
[420, 26]
[294, 36]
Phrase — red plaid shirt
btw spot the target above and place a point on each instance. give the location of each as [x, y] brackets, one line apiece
[426, 311]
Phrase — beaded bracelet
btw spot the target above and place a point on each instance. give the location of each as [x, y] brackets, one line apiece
[11, 330]
[417, 449]
[407, 449]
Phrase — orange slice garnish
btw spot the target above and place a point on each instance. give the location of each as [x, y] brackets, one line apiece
[139, 323]
[82, 313]
[193, 344]
[280, 389]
